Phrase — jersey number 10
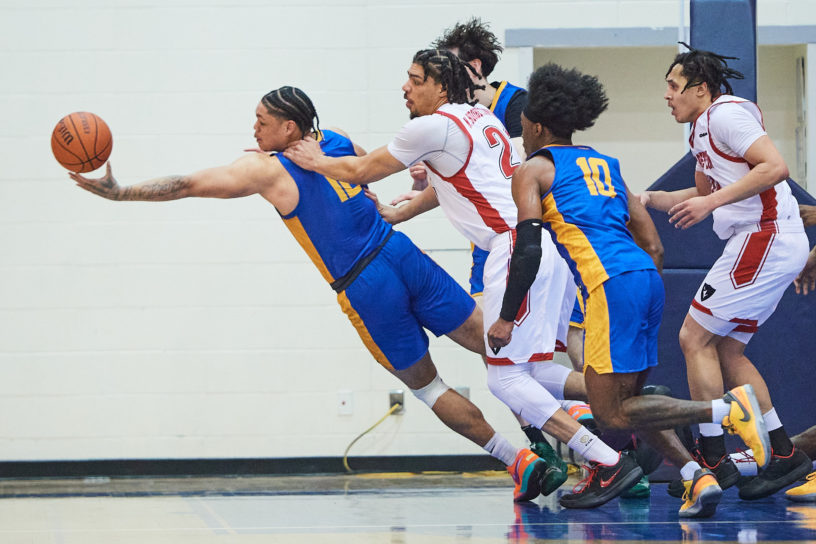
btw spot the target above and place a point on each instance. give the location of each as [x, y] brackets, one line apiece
[592, 176]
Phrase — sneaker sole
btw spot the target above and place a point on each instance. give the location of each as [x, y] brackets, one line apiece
[706, 504]
[799, 472]
[811, 497]
[618, 488]
[533, 484]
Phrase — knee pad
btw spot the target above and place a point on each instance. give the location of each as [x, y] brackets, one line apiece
[431, 392]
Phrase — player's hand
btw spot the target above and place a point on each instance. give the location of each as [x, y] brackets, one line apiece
[806, 280]
[387, 212]
[419, 173]
[106, 186]
[499, 334]
[305, 153]
[690, 212]
[645, 198]
[410, 195]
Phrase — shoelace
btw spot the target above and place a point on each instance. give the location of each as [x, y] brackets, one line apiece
[583, 484]
[742, 456]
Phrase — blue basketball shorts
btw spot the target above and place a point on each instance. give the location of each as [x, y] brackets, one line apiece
[477, 271]
[398, 295]
[577, 316]
[621, 321]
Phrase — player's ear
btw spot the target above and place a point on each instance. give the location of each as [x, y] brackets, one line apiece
[476, 64]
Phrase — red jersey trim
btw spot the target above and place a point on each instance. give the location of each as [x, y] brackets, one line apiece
[534, 358]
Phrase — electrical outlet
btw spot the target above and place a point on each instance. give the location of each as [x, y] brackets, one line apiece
[397, 396]
[345, 403]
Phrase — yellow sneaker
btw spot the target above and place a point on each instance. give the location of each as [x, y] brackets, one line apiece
[805, 492]
[745, 419]
[702, 495]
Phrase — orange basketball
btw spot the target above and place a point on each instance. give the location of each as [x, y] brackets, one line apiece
[81, 142]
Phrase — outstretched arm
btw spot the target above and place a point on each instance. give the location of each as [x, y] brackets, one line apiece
[244, 177]
[369, 168]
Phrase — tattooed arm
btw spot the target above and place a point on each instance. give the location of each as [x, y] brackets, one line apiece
[248, 175]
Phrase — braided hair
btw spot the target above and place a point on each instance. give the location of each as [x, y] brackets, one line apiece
[706, 67]
[292, 104]
[564, 100]
[446, 68]
[473, 40]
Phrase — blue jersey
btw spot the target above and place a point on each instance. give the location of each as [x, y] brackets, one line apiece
[334, 222]
[586, 211]
[501, 99]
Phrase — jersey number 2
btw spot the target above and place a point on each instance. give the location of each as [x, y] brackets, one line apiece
[592, 176]
[495, 137]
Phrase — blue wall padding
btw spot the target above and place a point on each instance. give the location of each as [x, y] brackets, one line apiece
[728, 27]
[784, 349]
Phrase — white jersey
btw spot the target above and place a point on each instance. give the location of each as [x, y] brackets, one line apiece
[470, 152]
[719, 139]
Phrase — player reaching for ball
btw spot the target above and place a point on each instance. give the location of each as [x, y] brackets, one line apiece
[387, 287]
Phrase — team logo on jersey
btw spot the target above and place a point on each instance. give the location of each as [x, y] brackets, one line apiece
[495, 350]
[706, 291]
[703, 135]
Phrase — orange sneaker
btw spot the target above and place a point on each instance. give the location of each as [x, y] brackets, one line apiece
[702, 495]
[745, 419]
[805, 492]
[527, 471]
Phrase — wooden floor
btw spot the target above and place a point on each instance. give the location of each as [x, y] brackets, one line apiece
[388, 508]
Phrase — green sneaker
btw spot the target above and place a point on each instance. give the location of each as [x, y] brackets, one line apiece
[556, 473]
[640, 490]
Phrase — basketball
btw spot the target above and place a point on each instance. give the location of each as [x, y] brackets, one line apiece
[81, 142]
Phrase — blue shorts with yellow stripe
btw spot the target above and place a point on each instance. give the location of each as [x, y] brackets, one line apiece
[477, 270]
[577, 316]
[400, 293]
[621, 322]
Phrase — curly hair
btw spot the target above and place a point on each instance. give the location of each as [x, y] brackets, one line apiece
[564, 100]
[446, 68]
[291, 103]
[473, 40]
[706, 67]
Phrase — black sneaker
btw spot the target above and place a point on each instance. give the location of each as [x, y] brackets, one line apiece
[604, 483]
[725, 470]
[780, 473]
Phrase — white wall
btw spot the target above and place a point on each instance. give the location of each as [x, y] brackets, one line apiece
[199, 328]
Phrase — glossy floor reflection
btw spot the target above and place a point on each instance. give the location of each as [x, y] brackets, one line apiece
[437, 509]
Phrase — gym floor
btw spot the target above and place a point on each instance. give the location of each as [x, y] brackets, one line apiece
[365, 508]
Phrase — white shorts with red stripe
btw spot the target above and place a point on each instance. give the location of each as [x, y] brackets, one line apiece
[744, 286]
[537, 322]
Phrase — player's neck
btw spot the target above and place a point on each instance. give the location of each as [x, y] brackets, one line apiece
[485, 96]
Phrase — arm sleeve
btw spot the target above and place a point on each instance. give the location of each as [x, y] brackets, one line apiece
[523, 267]
[421, 139]
[735, 126]
[512, 115]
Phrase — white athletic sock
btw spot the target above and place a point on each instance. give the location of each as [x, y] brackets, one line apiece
[592, 448]
[772, 421]
[501, 449]
[711, 429]
[746, 464]
[688, 470]
[719, 409]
